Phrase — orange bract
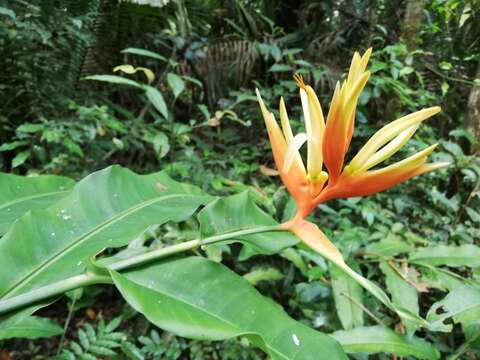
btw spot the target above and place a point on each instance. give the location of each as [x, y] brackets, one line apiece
[329, 141]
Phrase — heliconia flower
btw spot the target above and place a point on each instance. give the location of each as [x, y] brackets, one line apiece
[327, 144]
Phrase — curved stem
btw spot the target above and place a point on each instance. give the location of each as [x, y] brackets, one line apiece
[48, 291]
[90, 278]
[153, 255]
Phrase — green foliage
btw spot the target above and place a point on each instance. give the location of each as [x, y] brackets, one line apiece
[21, 194]
[91, 344]
[198, 298]
[29, 327]
[85, 221]
[198, 122]
[348, 297]
[238, 212]
[376, 338]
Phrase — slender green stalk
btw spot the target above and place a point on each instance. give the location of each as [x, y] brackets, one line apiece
[90, 278]
[153, 255]
[50, 290]
[71, 310]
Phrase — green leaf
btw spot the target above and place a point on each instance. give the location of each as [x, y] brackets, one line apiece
[239, 212]
[404, 295]
[161, 144]
[31, 327]
[176, 83]
[113, 79]
[462, 304]
[20, 194]
[263, 274]
[10, 321]
[13, 145]
[7, 12]
[440, 278]
[201, 299]
[108, 208]
[143, 52]
[20, 158]
[375, 339]
[156, 98]
[390, 246]
[463, 255]
[192, 80]
[280, 68]
[346, 292]
[129, 69]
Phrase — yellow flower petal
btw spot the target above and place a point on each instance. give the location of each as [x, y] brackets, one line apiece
[287, 130]
[318, 129]
[351, 95]
[364, 60]
[410, 162]
[353, 72]
[387, 133]
[264, 109]
[391, 148]
[314, 140]
[292, 154]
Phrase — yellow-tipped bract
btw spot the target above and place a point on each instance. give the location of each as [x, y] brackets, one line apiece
[327, 144]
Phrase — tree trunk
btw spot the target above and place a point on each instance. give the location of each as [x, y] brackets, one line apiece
[412, 21]
[472, 118]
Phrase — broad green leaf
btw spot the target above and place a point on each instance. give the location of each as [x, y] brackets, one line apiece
[176, 83]
[30, 128]
[390, 246]
[201, 299]
[463, 255]
[462, 305]
[346, 292]
[156, 98]
[20, 158]
[376, 339]
[239, 212]
[113, 79]
[12, 321]
[403, 294]
[108, 208]
[31, 327]
[20, 194]
[13, 145]
[143, 52]
[7, 12]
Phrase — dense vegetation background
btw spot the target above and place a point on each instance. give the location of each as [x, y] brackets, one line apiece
[207, 57]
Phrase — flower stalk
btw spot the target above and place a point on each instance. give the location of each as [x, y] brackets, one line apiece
[92, 278]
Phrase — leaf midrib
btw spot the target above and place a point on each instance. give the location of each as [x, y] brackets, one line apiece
[31, 197]
[82, 238]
